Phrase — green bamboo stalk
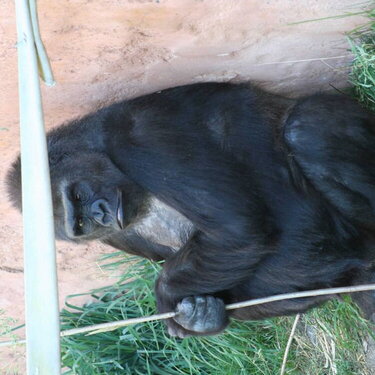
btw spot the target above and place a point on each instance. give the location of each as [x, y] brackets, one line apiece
[44, 66]
[41, 298]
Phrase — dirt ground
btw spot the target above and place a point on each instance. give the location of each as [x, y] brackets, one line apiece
[102, 51]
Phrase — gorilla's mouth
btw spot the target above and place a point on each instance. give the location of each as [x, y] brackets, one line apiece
[119, 210]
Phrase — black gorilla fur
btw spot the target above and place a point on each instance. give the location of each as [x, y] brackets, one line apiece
[244, 193]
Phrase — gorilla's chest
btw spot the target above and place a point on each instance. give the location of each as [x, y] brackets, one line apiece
[164, 225]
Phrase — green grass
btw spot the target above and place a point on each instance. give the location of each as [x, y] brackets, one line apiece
[362, 41]
[328, 336]
[11, 358]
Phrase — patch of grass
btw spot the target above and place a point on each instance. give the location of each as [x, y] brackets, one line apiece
[324, 343]
[11, 358]
[147, 349]
[362, 42]
[330, 342]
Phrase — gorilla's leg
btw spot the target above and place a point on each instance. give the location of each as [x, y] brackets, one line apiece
[331, 140]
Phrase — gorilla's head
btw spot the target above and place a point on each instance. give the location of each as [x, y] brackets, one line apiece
[92, 198]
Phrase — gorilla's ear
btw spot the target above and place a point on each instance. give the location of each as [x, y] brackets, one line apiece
[13, 183]
[13, 177]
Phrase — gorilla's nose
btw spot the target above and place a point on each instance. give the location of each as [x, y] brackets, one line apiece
[101, 213]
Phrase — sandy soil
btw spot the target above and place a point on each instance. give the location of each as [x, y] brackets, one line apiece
[102, 51]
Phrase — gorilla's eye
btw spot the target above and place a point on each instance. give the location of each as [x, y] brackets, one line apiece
[77, 197]
[80, 222]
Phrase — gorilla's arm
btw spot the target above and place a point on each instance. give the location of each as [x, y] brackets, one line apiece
[132, 243]
[220, 196]
[307, 256]
[203, 267]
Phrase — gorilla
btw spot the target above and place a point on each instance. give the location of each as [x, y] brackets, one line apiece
[243, 193]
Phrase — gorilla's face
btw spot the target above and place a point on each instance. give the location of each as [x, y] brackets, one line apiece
[89, 200]
[92, 198]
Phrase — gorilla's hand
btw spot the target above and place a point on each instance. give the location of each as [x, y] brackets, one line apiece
[195, 271]
[201, 314]
[196, 315]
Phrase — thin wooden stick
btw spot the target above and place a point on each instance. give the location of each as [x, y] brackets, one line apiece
[307, 293]
[289, 343]
[110, 326]
[105, 327]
